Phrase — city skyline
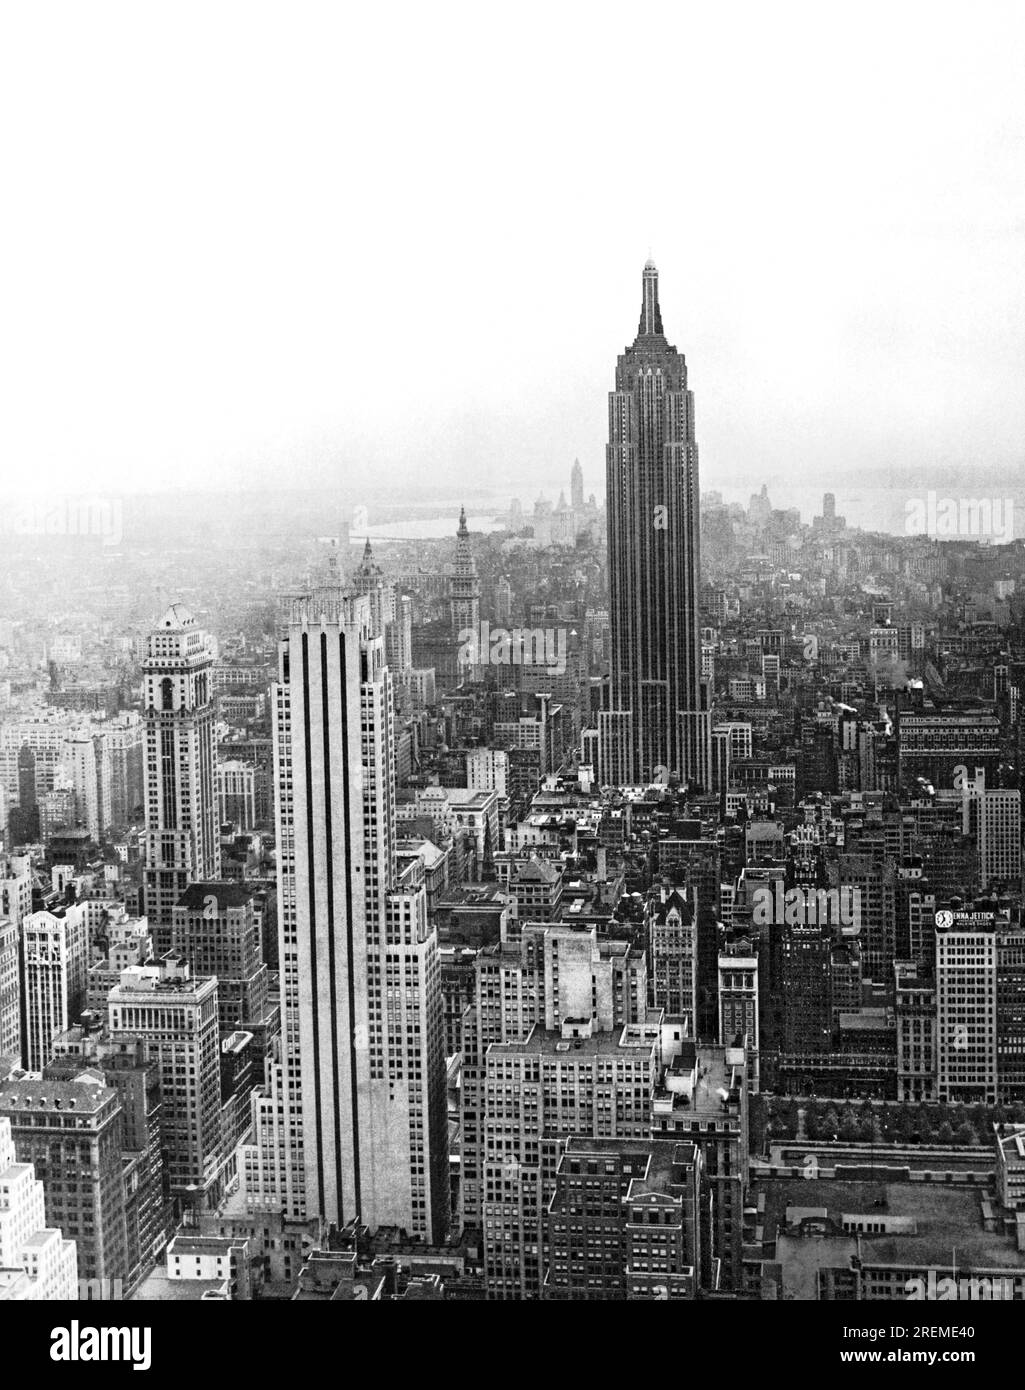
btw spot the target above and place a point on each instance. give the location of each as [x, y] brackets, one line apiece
[344, 941]
[506, 798]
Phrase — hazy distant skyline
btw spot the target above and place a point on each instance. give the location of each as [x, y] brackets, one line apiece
[316, 245]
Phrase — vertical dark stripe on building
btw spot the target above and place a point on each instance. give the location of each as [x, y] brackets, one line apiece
[348, 923]
[311, 886]
[332, 976]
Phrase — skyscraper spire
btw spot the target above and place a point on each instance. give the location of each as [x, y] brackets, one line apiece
[369, 579]
[464, 586]
[651, 316]
[576, 484]
[657, 720]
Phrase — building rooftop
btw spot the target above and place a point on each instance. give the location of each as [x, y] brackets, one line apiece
[552, 1043]
[87, 1094]
[14, 1285]
[177, 616]
[866, 1020]
[146, 981]
[195, 1243]
[157, 1287]
[535, 871]
[946, 1221]
[469, 797]
[40, 1239]
[1012, 1143]
[472, 895]
[674, 901]
[227, 894]
[716, 1071]
[657, 1161]
[333, 1276]
[427, 850]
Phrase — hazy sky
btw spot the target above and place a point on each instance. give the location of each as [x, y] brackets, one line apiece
[362, 242]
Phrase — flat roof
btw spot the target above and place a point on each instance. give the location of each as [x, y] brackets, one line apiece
[190, 1243]
[660, 1155]
[948, 1220]
[466, 796]
[225, 893]
[714, 1075]
[41, 1238]
[158, 1287]
[549, 1042]
[1013, 1143]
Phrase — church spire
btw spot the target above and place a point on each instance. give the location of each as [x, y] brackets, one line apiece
[651, 315]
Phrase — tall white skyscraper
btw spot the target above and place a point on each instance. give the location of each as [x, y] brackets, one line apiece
[399, 642]
[55, 954]
[487, 770]
[182, 844]
[966, 1009]
[993, 816]
[82, 758]
[172, 1015]
[10, 990]
[360, 1088]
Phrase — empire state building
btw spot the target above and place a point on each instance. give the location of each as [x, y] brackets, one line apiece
[657, 720]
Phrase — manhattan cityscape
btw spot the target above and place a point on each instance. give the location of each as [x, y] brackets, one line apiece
[433, 919]
[426, 877]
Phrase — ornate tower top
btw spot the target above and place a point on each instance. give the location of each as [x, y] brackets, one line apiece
[464, 585]
[367, 567]
[465, 563]
[650, 325]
